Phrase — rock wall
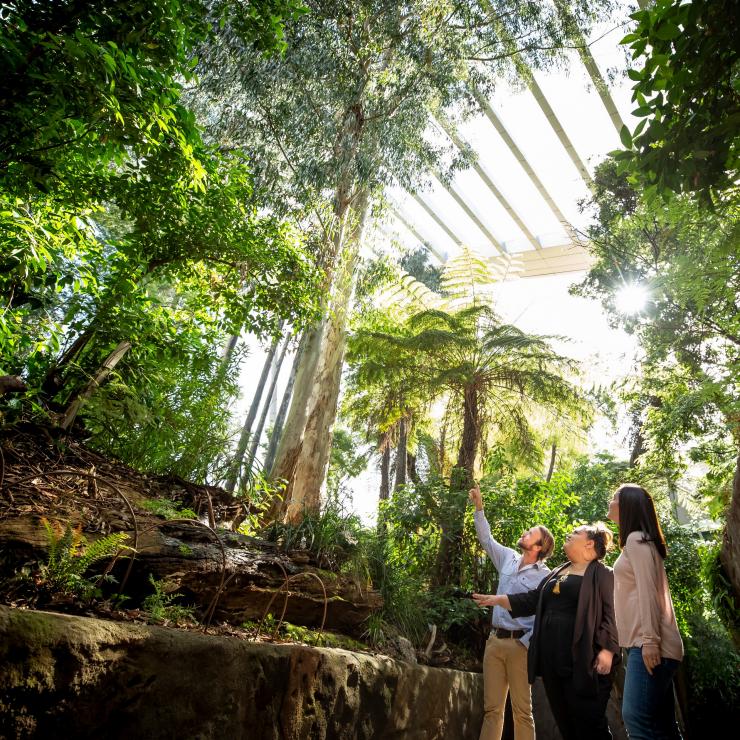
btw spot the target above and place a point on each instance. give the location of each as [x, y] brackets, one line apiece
[65, 676]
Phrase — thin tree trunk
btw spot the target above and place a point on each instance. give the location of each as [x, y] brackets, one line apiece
[401, 453]
[257, 436]
[110, 362]
[289, 445]
[551, 469]
[310, 470]
[730, 553]
[241, 448]
[411, 466]
[385, 470]
[277, 429]
[448, 567]
[228, 352]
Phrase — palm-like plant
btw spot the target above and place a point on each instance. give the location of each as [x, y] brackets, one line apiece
[496, 374]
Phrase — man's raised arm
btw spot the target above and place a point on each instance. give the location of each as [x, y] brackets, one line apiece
[496, 551]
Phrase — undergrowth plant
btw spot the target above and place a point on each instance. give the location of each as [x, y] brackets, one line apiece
[160, 607]
[167, 509]
[70, 557]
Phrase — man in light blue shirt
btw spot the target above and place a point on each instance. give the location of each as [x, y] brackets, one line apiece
[505, 658]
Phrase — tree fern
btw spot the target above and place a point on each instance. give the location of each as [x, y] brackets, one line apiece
[468, 279]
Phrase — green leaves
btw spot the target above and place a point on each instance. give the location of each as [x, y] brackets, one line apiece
[687, 92]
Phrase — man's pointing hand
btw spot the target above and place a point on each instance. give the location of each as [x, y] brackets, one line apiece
[475, 496]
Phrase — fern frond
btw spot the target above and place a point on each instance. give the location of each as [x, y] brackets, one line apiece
[104, 547]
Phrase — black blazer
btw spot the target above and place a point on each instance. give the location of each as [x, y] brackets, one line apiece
[595, 627]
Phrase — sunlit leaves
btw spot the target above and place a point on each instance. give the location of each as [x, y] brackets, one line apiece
[687, 92]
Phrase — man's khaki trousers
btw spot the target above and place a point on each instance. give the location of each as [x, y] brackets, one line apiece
[504, 671]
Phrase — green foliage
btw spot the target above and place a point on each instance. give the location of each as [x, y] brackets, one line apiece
[333, 537]
[70, 557]
[375, 629]
[687, 258]
[347, 105]
[682, 566]
[719, 589]
[418, 265]
[118, 221]
[160, 607]
[593, 482]
[687, 92]
[713, 668]
[345, 462]
[313, 637]
[513, 504]
[167, 509]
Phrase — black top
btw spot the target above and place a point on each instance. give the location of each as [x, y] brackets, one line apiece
[594, 624]
[559, 607]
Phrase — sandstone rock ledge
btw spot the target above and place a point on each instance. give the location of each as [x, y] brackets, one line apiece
[67, 676]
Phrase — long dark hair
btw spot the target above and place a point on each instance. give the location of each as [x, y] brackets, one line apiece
[637, 514]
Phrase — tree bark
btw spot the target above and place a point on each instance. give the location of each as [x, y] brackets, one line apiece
[411, 467]
[551, 469]
[277, 429]
[310, 470]
[241, 448]
[11, 384]
[730, 553]
[401, 455]
[289, 445]
[448, 567]
[266, 407]
[385, 470]
[470, 437]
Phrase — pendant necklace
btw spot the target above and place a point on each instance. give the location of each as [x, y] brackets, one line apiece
[561, 579]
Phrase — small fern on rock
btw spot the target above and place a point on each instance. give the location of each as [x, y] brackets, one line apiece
[70, 557]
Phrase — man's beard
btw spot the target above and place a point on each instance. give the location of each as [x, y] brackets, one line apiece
[523, 547]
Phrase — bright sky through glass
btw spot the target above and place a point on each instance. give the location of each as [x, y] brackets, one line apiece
[571, 94]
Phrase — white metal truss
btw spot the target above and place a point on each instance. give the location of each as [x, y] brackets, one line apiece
[539, 258]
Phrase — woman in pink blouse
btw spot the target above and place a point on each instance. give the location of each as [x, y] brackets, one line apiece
[646, 623]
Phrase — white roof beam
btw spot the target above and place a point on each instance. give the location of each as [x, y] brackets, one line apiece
[589, 63]
[442, 225]
[470, 213]
[502, 131]
[528, 76]
[439, 254]
[461, 144]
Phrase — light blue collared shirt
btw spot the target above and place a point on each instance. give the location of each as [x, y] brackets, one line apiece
[512, 578]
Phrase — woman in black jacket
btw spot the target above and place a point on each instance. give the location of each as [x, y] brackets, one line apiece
[574, 644]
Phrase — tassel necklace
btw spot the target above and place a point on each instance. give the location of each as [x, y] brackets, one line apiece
[562, 578]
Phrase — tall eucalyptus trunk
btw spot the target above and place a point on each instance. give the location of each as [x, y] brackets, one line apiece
[289, 445]
[309, 473]
[236, 464]
[257, 436]
[277, 429]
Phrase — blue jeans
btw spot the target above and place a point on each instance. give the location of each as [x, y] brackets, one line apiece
[648, 705]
